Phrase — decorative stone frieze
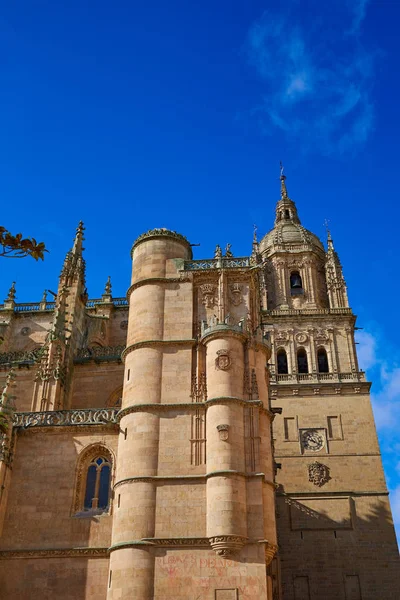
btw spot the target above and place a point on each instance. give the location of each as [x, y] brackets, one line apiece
[63, 418]
[55, 553]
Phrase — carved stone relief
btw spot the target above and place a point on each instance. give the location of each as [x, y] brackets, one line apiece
[223, 431]
[236, 294]
[208, 295]
[321, 336]
[223, 360]
[301, 337]
[318, 473]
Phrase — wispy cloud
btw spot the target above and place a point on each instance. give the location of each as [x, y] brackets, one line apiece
[317, 75]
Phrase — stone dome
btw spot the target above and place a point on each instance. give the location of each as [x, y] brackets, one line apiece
[291, 233]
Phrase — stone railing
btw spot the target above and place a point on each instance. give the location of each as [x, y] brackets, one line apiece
[91, 303]
[99, 353]
[21, 357]
[62, 418]
[317, 377]
[291, 312]
[41, 306]
[217, 263]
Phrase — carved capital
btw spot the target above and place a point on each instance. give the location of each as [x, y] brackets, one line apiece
[227, 545]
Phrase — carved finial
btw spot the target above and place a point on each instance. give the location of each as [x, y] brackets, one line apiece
[11, 293]
[255, 228]
[228, 251]
[218, 251]
[77, 247]
[107, 288]
[44, 297]
[284, 193]
[328, 234]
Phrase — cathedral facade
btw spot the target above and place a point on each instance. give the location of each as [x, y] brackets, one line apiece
[208, 437]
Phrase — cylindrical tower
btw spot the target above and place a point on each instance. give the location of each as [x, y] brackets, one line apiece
[154, 257]
[237, 391]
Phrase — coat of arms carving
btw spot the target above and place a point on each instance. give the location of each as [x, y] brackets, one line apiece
[208, 295]
[318, 473]
[223, 360]
[236, 294]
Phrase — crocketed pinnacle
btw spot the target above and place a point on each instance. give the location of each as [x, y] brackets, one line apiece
[74, 264]
[77, 247]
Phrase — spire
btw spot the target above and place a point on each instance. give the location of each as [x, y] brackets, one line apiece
[286, 210]
[329, 237]
[74, 264]
[336, 285]
[255, 247]
[284, 193]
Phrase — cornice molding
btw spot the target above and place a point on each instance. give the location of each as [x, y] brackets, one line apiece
[155, 344]
[200, 478]
[189, 406]
[55, 553]
[155, 281]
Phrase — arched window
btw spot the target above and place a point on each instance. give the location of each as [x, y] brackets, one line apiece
[97, 492]
[323, 365]
[93, 481]
[115, 399]
[302, 362]
[287, 214]
[296, 284]
[281, 359]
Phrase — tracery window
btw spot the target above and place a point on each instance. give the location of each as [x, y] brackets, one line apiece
[281, 358]
[93, 481]
[97, 491]
[302, 361]
[323, 365]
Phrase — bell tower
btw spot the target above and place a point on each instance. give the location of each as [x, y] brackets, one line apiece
[329, 472]
[294, 260]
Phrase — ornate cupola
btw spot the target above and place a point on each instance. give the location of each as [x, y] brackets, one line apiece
[294, 259]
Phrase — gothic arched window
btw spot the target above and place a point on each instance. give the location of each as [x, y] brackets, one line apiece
[97, 491]
[323, 365]
[281, 359]
[302, 362]
[296, 284]
[93, 482]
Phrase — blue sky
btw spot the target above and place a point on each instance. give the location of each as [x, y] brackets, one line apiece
[133, 115]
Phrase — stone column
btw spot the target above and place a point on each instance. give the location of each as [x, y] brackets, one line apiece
[131, 556]
[313, 355]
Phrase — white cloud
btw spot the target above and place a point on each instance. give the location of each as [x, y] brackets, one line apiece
[317, 87]
[395, 505]
[366, 350]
